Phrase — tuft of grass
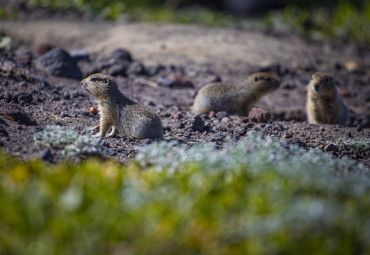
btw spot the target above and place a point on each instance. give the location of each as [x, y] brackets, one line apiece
[259, 196]
[69, 142]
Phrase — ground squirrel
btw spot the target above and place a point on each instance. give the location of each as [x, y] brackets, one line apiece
[234, 98]
[120, 113]
[324, 105]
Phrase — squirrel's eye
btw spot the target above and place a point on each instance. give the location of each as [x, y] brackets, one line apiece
[268, 79]
[256, 78]
[93, 79]
[106, 81]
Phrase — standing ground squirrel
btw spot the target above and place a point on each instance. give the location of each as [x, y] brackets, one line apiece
[324, 105]
[120, 113]
[234, 98]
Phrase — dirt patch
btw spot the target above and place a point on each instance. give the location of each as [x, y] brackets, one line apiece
[165, 58]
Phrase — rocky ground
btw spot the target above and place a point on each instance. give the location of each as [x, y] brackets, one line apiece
[163, 66]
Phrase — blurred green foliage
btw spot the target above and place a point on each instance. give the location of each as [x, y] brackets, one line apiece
[256, 197]
[348, 20]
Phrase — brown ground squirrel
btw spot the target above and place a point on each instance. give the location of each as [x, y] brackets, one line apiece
[119, 112]
[234, 98]
[324, 105]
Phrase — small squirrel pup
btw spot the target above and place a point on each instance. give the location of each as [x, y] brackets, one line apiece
[324, 105]
[119, 112]
[234, 98]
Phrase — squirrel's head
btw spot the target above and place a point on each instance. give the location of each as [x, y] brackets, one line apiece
[263, 83]
[322, 83]
[99, 85]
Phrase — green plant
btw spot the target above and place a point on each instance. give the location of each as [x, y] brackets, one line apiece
[69, 142]
[362, 143]
[259, 196]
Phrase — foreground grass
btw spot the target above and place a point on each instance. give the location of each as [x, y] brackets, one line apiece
[255, 197]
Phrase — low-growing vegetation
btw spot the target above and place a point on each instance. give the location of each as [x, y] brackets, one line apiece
[69, 142]
[259, 196]
[362, 143]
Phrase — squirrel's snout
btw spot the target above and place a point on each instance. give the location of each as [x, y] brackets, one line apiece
[83, 83]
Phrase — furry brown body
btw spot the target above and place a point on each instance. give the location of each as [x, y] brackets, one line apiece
[324, 105]
[119, 112]
[234, 98]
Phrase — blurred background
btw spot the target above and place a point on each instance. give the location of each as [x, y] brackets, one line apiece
[347, 20]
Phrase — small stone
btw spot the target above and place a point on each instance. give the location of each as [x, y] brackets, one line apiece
[93, 110]
[137, 68]
[344, 93]
[180, 81]
[198, 124]
[211, 114]
[121, 54]
[75, 93]
[58, 62]
[23, 57]
[66, 95]
[118, 69]
[217, 137]
[225, 119]
[249, 124]
[220, 115]
[23, 84]
[177, 116]
[259, 115]
[154, 70]
[44, 48]
[63, 115]
[288, 135]
[330, 147]
[45, 154]
[165, 82]
[78, 55]
[354, 67]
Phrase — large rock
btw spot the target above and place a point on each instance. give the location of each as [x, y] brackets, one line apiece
[58, 62]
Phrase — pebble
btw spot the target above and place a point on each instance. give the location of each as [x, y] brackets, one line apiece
[118, 69]
[137, 68]
[331, 147]
[23, 84]
[44, 48]
[211, 114]
[121, 54]
[78, 55]
[45, 154]
[165, 82]
[23, 57]
[249, 124]
[344, 93]
[198, 124]
[58, 62]
[177, 116]
[220, 115]
[354, 67]
[63, 115]
[259, 115]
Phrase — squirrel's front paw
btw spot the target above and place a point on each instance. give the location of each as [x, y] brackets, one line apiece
[98, 135]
